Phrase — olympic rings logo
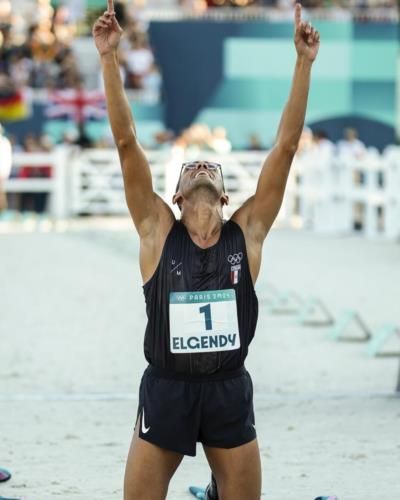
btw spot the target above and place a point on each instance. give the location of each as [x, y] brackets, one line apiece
[235, 258]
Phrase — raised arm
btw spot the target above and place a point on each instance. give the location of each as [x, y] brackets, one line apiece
[259, 212]
[147, 209]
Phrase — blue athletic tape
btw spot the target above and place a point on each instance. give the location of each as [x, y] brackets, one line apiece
[196, 492]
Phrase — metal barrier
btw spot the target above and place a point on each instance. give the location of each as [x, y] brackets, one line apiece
[328, 194]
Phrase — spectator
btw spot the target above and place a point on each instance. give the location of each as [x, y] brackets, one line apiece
[139, 61]
[219, 141]
[15, 145]
[83, 140]
[69, 74]
[20, 69]
[70, 137]
[35, 202]
[41, 46]
[351, 144]
[324, 147]
[5, 167]
[7, 49]
[200, 138]
[255, 143]
[163, 139]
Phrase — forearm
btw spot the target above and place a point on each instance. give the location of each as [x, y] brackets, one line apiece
[292, 121]
[120, 116]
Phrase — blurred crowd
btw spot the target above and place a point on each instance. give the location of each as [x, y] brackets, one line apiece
[201, 138]
[318, 144]
[37, 45]
[196, 138]
[43, 46]
[41, 53]
[38, 54]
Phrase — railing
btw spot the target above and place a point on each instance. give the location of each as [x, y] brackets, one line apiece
[97, 184]
[56, 185]
[340, 195]
[334, 195]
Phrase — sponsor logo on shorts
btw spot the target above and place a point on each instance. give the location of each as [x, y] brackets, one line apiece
[144, 428]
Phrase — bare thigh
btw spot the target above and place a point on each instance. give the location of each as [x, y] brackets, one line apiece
[237, 471]
[149, 470]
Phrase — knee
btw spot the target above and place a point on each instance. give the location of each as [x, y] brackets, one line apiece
[134, 492]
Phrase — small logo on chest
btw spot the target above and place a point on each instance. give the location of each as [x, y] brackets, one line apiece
[176, 267]
[235, 260]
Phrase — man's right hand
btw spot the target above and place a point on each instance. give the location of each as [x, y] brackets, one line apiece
[106, 31]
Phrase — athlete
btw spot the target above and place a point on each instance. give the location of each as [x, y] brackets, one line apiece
[199, 274]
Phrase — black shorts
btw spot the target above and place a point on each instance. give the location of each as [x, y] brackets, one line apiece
[175, 413]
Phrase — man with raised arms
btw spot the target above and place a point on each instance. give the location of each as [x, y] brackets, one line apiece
[199, 274]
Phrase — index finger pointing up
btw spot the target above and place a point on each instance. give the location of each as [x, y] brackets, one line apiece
[297, 15]
[110, 7]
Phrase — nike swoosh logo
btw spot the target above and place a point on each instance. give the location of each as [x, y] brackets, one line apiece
[144, 428]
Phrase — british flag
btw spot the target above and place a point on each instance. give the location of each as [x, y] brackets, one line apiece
[80, 105]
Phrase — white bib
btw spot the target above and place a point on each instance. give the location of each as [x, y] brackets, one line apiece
[203, 321]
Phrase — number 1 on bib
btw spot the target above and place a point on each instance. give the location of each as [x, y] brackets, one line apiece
[207, 315]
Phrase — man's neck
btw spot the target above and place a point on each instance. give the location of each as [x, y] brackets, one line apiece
[203, 222]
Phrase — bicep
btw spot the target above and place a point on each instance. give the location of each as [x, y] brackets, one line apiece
[259, 212]
[270, 189]
[274, 172]
[145, 206]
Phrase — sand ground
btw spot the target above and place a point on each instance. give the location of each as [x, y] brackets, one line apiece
[71, 331]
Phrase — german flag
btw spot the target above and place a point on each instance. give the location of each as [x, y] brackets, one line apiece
[12, 106]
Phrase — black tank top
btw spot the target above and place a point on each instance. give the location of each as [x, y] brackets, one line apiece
[185, 267]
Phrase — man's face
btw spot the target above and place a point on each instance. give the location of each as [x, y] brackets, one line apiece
[197, 175]
[201, 174]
